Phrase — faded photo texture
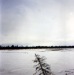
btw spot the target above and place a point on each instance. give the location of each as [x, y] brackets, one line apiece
[28, 30]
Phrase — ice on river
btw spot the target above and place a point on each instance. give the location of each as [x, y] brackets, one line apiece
[20, 62]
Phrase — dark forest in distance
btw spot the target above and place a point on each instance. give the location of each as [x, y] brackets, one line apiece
[33, 47]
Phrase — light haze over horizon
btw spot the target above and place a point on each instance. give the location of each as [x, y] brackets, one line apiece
[37, 22]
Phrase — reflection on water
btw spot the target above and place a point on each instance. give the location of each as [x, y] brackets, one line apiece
[20, 62]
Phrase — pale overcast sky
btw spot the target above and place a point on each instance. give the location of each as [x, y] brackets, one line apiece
[37, 22]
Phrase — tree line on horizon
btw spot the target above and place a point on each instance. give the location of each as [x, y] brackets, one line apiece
[32, 47]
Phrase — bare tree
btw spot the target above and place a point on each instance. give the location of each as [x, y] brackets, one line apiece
[42, 67]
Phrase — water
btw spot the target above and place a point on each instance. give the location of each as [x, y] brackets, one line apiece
[20, 62]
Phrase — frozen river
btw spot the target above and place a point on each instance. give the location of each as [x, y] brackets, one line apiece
[20, 62]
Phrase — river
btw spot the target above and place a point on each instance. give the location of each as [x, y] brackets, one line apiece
[20, 62]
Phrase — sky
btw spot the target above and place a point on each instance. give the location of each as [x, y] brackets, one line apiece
[37, 22]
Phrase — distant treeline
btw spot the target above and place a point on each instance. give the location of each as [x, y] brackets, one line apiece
[33, 47]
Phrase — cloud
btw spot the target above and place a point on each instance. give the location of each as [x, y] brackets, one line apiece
[37, 21]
